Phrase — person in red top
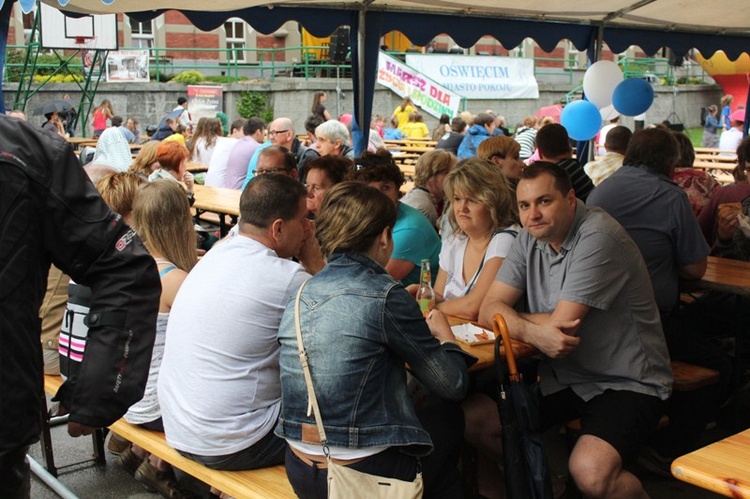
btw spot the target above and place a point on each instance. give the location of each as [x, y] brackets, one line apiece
[100, 115]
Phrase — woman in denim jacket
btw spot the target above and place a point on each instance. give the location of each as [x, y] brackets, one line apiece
[359, 328]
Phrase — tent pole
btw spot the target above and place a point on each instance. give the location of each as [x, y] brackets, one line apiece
[361, 67]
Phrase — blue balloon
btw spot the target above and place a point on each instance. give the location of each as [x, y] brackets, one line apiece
[581, 119]
[633, 97]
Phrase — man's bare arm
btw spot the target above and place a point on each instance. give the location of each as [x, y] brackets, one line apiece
[551, 336]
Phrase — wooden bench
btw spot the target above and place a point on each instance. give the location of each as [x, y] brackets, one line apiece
[687, 378]
[261, 483]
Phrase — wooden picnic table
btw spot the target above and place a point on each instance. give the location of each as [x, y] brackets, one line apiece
[723, 275]
[195, 167]
[80, 142]
[716, 157]
[223, 202]
[713, 151]
[722, 467]
[418, 150]
[485, 352]
[407, 141]
[715, 165]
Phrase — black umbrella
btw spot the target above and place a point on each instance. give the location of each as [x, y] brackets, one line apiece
[525, 463]
[55, 106]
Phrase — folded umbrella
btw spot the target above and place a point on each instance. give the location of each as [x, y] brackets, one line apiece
[524, 461]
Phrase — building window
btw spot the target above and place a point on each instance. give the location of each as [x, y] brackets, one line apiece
[142, 33]
[234, 30]
[28, 24]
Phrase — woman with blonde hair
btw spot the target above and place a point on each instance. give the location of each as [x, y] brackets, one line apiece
[99, 117]
[726, 110]
[162, 219]
[484, 219]
[429, 173]
[202, 144]
[359, 328]
[119, 191]
[146, 162]
[504, 152]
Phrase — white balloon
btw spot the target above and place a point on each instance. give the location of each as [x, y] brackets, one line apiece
[600, 81]
[609, 113]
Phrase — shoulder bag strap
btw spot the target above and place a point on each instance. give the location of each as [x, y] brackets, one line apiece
[313, 401]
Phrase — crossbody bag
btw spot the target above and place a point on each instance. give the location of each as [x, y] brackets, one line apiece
[343, 482]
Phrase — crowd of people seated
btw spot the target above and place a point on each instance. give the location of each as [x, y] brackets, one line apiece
[583, 261]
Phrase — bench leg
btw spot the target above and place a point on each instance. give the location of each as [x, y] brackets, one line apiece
[46, 440]
[97, 440]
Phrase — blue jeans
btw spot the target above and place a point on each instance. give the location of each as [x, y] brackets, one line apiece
[268, 451]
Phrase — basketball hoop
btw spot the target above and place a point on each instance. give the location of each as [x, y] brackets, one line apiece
[82, 40]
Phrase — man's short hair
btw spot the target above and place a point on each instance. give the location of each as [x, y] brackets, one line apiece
[653, 148]
[253, 125]
[135, 121]
[238, 124]
[377, 167]
[618, 138]
[269, 197]
[116, 120]
[287, 158]
[333, 130]
[562, 179]
[458, 125]
[181, 101]
[482, 119]
[553, 141]
[312, 122]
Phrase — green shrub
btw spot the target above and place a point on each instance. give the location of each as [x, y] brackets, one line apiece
[189, 77]
[254, 104]
[14, 64]
[58, 78]
[162, 77]
[217, 79]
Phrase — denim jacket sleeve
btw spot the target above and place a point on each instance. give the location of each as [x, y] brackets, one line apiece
[442, 368]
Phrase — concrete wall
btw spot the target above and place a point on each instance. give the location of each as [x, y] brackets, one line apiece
[292, 97]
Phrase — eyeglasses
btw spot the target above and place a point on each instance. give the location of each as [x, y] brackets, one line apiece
[274, 133]
[270, 170]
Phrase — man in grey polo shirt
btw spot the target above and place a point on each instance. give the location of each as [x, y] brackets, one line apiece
[594, 317]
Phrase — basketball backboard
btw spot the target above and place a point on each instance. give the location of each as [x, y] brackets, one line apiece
[88, 32]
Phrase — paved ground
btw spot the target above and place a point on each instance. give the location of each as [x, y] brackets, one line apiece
[111, 482]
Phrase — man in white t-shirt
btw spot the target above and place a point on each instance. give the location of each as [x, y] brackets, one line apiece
[219, 386]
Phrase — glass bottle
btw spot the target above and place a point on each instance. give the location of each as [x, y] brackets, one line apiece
[425, 293]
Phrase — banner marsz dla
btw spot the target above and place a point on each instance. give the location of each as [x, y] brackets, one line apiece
[430, 96]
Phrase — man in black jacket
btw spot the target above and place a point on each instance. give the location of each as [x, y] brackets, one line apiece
[51, 213]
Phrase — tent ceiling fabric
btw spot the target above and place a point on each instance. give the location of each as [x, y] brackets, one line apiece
[651, 24]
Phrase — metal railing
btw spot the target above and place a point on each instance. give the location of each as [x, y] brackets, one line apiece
[233, 62]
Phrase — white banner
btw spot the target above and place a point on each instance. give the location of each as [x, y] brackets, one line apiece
[128, 66]
[431, 97]
[478, 76]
